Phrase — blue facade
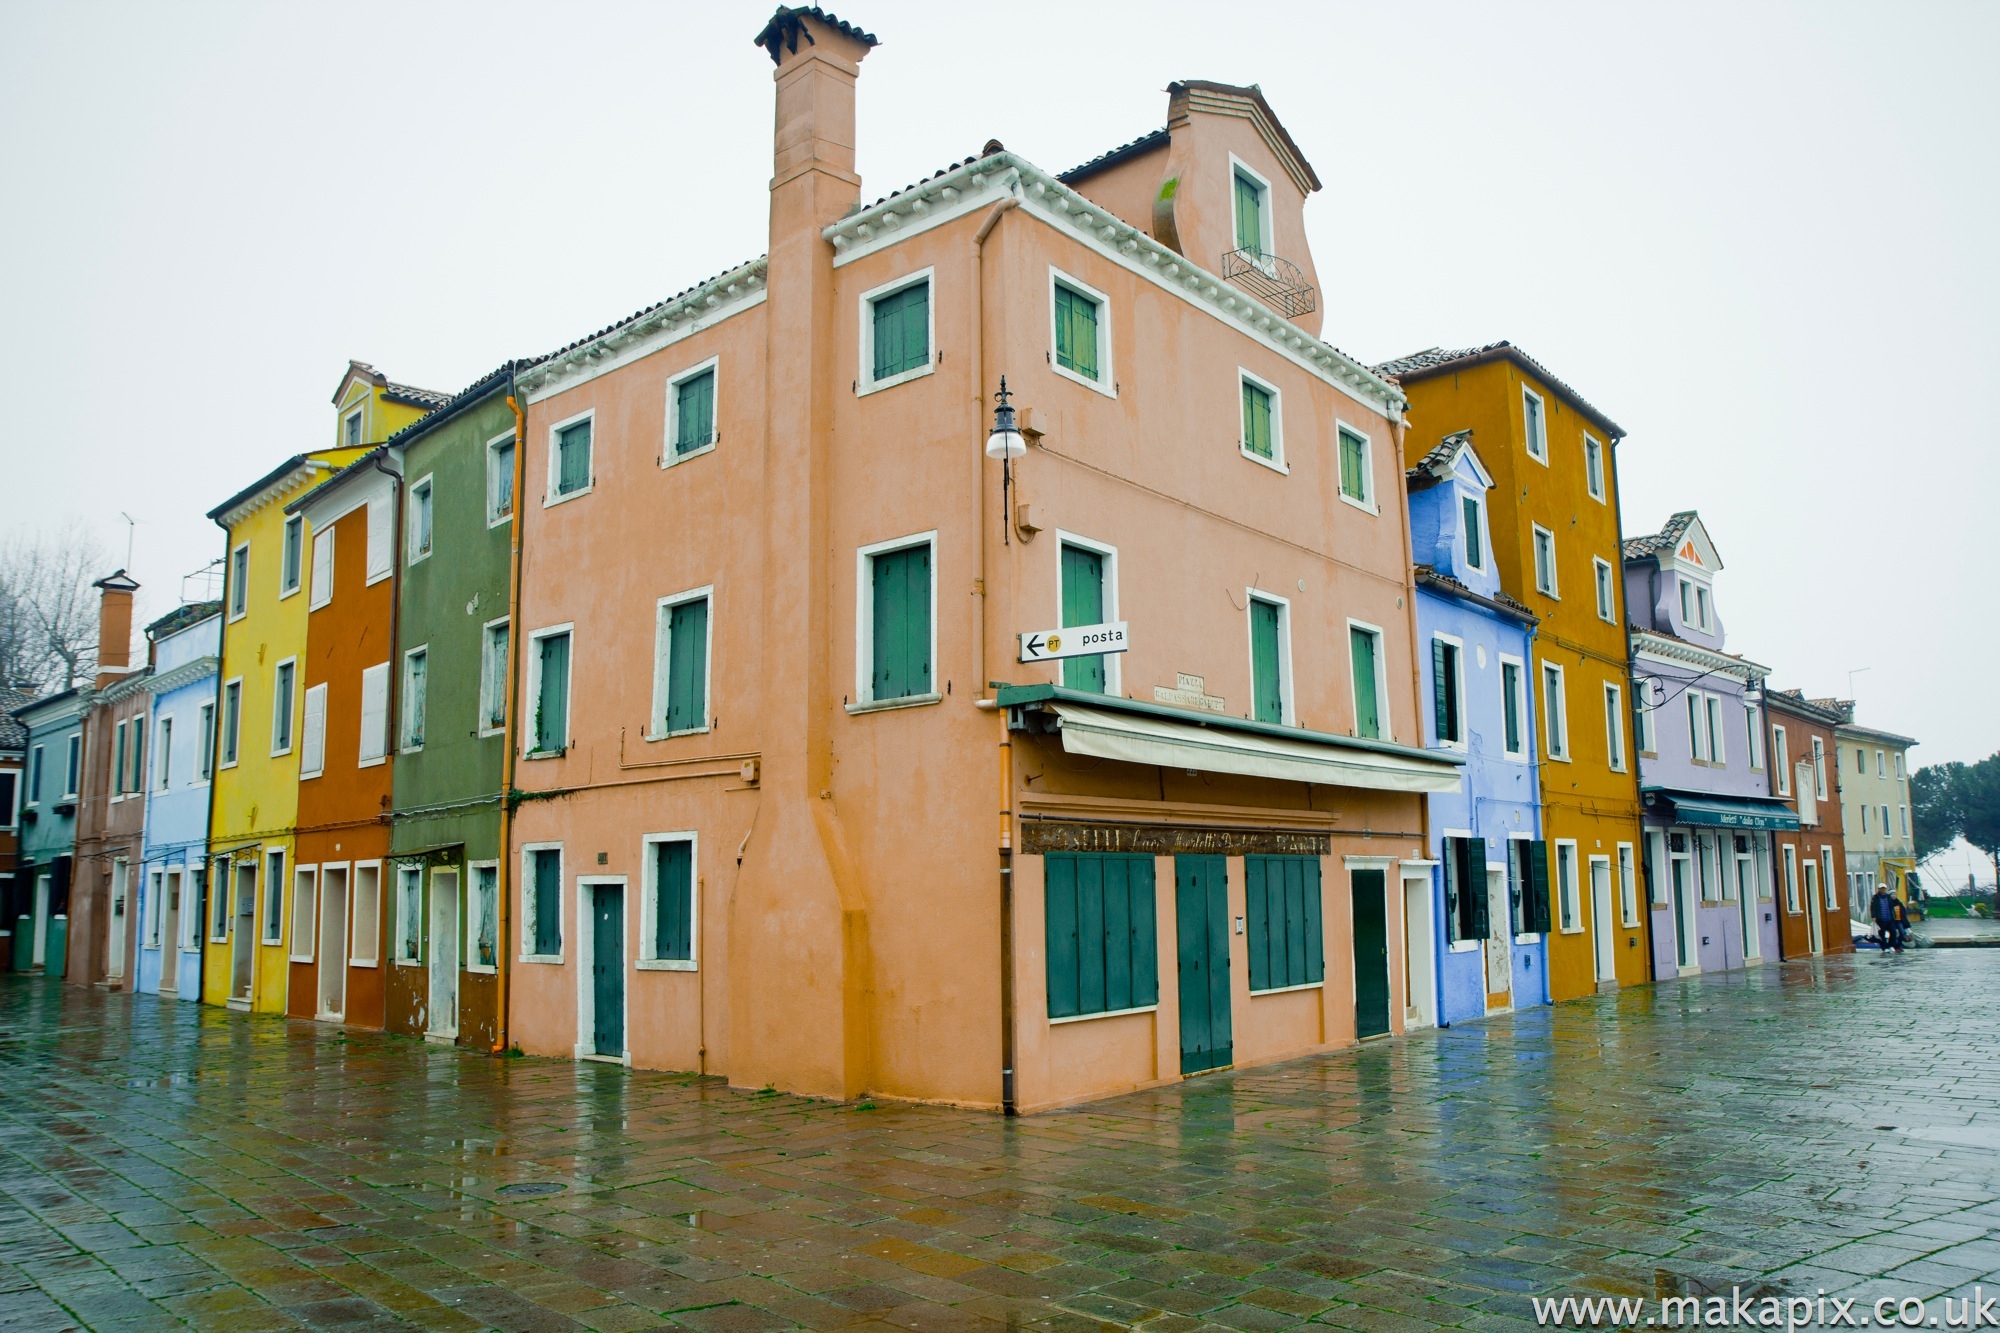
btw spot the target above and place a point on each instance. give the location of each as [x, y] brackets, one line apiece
[181, 731]
[51, 782]
[1473, 647]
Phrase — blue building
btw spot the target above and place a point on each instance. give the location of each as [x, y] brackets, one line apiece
[187, 643]
[52, 784]
[1481, 900]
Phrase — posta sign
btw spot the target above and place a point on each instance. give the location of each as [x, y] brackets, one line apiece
[1073, 641]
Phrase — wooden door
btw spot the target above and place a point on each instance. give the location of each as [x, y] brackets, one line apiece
[1201, 909]
[1371, 952]
[607, 969]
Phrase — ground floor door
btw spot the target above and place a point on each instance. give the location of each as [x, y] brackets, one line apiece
[1815, 925]
[1682, 871]
[1201, 912]
[121, 886]
[1371, 951]
[243, 953]
[607, 969]
[1601, 932]
[333, 943]
[170, 933]
[40, 957]
[1746, 897]
[444, 958]
[1499, 941]
[1420, 991]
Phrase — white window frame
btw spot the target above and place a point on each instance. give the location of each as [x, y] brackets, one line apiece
[1903, 821]
[1899, 766]
[1718, 737]
[1569, 904]
[1554, 589]
[1781, 759]
[291, 724]
[403, 710]
[1367, 503]
[1686, 585]
[355, 939]
[525, 887]
[1607, 590]
[155, 884]
[550, 498]
[305, 912]
[354, 429]
[1527, 422]
[295, 526]
[1276, 462]
[422, 486]
[1266, 242]
[494, 518]
[532, 662]
[162, 758]
[1881, 767]
[1287, 712]
[407, 873]
[1645, 718]
[225, 743]
[10, 814]
[1114, 678]
[1614, 727]
[317, 597]
[1704, 608]
[1789, 856]
[671, 454]
[362, 758]
[1473, 547]
[1382, 703]
[1593, 467]
[73, 766]
[305, 725]
[1555, 712]
[1753, 735]
[469, 946]
[1106, 382]
[1464, 740]
[586, 960]
[649, 903]
[31, 776]
[864, 622]
[272, 924]
[1626, 867]
[1520, 705]
[239, 586]
[865, 382]
[656, 725]
[492, 683]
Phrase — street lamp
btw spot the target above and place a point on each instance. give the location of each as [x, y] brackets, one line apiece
[1005, 444]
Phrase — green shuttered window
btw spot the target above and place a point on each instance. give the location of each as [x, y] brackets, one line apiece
[552, 693]
[1103, 946]
[694, 412]
[1510, 706]
[545, 883]
[902, 623]
[1257, 438]
[1528, 884]
[685, 657]
[1076, 332]
[1466, 915]
[1286, 940]
[1475, 538]
[1362, 647]
[1445, 692]
[1249, 215]
[673, 902]
[903, 330]
[573, 458]
[1354, 479]
[1266, 661]
[1083, 604]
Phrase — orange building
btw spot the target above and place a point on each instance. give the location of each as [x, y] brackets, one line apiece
[1811, 895]
[1557, 546]
[793, 806]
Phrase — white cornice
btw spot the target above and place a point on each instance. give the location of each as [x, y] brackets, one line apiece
[185, 674]
[1645, 643]
[967, 187]
[701, 308]
[274, 492]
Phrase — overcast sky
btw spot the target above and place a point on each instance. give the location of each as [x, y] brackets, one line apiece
[1762, 238]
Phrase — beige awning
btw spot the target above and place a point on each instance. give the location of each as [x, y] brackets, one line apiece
[1139, 739]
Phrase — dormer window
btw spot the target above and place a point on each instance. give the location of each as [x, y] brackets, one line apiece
[1475, 534]
[1253, 198]
[1701, 606]
[1694, 606]
[352, 430]
[1687, 602]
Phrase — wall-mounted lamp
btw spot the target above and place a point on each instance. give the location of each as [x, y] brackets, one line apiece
[1005, 444]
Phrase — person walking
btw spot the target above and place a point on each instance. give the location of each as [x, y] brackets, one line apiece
[1882, 911]
[1901, 912]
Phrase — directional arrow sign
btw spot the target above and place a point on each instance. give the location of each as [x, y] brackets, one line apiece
[1073, 641]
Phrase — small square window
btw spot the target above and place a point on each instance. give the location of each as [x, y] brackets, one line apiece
[1357, 481]
[1537, 427]
[1080, 334]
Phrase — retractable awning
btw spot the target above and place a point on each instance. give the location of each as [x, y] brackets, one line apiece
[1137, 733]
[1748, 812]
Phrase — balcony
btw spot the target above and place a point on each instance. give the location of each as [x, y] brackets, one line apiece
[1276, 282]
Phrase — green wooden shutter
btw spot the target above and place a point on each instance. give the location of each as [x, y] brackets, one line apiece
[552, 699]
[1257, 421]
[548, 902]
[687, 666]
[1353, 466]
[1249, 215]
[1257, 908]
[1265, 667]
[1510, 704]
[573, 465]
[1099, 926]
[1083, 604]
[673, 900]
[1475, 541]
[903, 330]
[1440, 691]
[1076, 332]
[1479, 925]
[902, 629]
[696, 404]
[1538, 886]
[1367, 711]
[1285, 934]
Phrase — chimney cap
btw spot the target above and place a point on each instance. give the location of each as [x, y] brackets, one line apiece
[116, 581]
[788, 25]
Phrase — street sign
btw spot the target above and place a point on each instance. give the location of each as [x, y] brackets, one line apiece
[1073, 641]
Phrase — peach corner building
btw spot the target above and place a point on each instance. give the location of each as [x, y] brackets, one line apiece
[789, 806]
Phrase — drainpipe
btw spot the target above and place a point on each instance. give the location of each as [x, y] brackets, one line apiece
[214, 767]
[978, 364]
[503, 894]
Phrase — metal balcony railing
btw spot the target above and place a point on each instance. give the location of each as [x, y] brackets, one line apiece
[1276, 282]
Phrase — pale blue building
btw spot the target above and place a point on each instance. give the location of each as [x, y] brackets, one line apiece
[186, 647]
[1481, 898]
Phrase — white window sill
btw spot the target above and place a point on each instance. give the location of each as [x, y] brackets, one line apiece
[1572, 930]
[1363, 505]
[1542, 457]
[481, 971]
[499, 520]
[1087, 383]
[555, 958]
[485, 732]
[418, 559]
[1287, 990]
[320, 605]
[666, 965]
[418, 748]
[283, 593]
[280, 754]
[231, 764]
[1528, 937]
[867, 387]
[376, 762]
[1552, 596]
[674, 456]
[238, 615]
[1108, 1013]
[301, 958]
[1276, 465]
[884, 705]
[1464, 946]
[1559, 759]
[409, 962]
[652, 736]
[369, 963]
[307, 777]
[546, 754]
[551, 501]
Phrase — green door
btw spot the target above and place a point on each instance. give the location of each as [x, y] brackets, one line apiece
[1083, 604]
[1201, 906]
[607, 969]
[1371, 952]
[1266, 669]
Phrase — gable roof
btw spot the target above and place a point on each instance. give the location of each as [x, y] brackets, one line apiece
[1437, 361]
[1124, 152]
[1227, 99]
[409, 394]
[1683, 530]
[1442, 460]
[297, 468]
[13, 731]
[1826, 712]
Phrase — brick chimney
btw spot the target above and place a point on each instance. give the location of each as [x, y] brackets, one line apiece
[114, 626]
[818, 58]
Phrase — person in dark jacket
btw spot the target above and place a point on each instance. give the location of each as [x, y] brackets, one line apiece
[1902, 913]
[1882, 911]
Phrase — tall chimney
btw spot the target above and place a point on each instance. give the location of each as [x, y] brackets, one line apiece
[818, 58]
[114, 626]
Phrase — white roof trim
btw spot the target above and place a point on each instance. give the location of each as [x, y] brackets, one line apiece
[1645, 643]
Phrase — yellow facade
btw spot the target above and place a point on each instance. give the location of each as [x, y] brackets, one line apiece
[1587, 802]
[254, 804]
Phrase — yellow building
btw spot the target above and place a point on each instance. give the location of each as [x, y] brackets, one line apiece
[1558, 548]
[268, 578]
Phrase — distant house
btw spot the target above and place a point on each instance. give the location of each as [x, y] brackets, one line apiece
[1873, 769]
[111, 810]
[1812, 897]
[52, 776]
[173, 885]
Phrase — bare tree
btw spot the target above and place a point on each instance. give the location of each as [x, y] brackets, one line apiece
[48, 610]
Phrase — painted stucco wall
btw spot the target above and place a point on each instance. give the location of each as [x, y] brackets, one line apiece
[48, 815]
[110, 821]
[177, 812]
[1887, 854]
[1821, 840]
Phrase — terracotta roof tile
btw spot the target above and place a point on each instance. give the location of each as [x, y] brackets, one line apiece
[1436, 360]
[785, 29]
[1638, 548]
[1145, 143]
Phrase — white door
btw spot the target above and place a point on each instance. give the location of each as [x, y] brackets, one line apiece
[1601, 929]
[1815, 924]
[170, 934]
[1499, 941]
[1419, 952]
[333, 943]
[121, 873]
[40, 957]
[444, 953]
[1746, 899]
[243, 961]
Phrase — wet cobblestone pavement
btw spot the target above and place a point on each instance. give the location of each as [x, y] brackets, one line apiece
[163, 1163]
